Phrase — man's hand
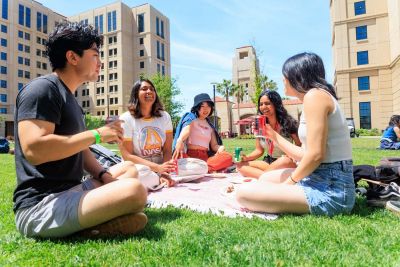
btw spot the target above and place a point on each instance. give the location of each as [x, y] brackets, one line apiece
[112, 132]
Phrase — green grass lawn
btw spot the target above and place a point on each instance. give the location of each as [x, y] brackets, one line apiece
[175, 237]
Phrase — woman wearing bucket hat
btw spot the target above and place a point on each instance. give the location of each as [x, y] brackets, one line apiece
[195, 133]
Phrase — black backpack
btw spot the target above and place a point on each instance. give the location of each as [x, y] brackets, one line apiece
[4, 145]
[104, 156]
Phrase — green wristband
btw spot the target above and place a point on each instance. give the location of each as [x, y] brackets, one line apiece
[97, 136]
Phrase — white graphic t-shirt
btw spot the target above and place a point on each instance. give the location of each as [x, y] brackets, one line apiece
[147, 135]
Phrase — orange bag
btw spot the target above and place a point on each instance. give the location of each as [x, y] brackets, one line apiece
[219, 162]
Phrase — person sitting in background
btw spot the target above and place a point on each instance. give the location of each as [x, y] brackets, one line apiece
[148, 131]
[196, 136]
[270, 105]
[391, 134]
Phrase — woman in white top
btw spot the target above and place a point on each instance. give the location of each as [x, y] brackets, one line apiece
[322, 183]
[147, 130]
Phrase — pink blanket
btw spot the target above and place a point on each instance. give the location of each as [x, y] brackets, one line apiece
[206, 195]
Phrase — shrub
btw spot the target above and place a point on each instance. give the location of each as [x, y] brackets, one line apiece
[93, 122]
[368, 132]
[245, 136]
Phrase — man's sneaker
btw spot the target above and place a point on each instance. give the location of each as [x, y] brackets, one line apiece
[383, 194]
[393, 206]
[124, 225]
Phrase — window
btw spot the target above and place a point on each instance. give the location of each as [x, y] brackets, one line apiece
[362, 58]
[141, 53]
[157, 26]
[4, 5]
[3, 110]
[20, 34]
[3, 42]
[44, 66]
[20, 73]
[3, 70]
[141, 65]
[111, 21]
[158, 49]
[27, 62]
[27, 49]
[163, 70]
[20, 47]
[44, 23]
[111, 101]
[38, 40]
[39, 21]
[363, 83]
[3, 97]
[141, 41]
[83, 92]
[38, 64]
[38, 52]
[28, 17]
[3, 83]
[27, 75]
[27, 36]
[158, 68]
[365, 115]
[140, 22]
[162, 29]
[98, 23]
[162, 52]
[21, 15]
[359, 8]
[20, 60]
[361, 33]
[4, 28]
[3, 55]
[20, 86]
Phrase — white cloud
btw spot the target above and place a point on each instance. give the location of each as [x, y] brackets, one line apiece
[189, 53]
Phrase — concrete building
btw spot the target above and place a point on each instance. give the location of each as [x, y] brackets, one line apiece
[245, 66]
[366, 53]
[136, 41]
[25, 25]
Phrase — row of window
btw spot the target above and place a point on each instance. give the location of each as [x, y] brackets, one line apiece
[21, 48]
[41, 53]
[112, 113]
[21, 35]
[24, 19]
[24, 74]
[112, 89]
[101, 102]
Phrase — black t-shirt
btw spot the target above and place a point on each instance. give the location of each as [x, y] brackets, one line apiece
[47, 98]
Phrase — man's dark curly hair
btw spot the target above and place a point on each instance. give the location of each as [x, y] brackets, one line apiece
[134, 104]
[73, 36]
[287, 123]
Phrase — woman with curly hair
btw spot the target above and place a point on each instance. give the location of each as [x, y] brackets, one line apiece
[270, 105]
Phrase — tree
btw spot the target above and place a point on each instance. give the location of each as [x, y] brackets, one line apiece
[238, 92]
[93, 122]
[225, 89]
[262, 82]
[167, 90]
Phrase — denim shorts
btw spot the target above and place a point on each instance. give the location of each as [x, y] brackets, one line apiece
[55, 215]
[330, 188]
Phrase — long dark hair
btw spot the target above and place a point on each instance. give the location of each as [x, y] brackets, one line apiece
[134, 104]
[288, 124]
[306, 71]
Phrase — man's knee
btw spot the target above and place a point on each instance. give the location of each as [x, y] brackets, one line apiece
[137, 193]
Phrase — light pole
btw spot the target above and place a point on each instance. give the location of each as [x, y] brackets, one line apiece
[215, 107]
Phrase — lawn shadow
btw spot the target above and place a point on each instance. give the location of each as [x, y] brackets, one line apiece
[152, 231]
[362, 209]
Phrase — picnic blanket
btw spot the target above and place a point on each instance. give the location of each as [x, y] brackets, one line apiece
[204, 195]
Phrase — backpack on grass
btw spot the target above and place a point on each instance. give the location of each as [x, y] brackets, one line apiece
[104, 156]
[4, 146]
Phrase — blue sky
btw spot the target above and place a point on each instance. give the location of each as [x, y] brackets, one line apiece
[205, 33]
